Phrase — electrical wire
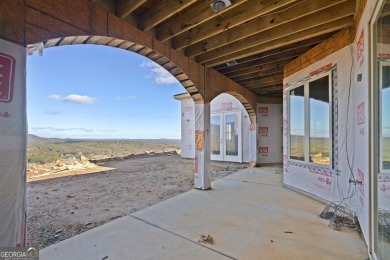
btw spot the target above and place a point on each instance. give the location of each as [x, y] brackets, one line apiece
[344, 198]
[346, 128]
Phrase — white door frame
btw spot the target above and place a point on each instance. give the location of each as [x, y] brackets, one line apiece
[222, 156]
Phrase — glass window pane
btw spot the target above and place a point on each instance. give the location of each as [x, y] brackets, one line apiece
[385, 118]
[231, 134]
[319, 121]
[383, 104]
[297, 124]
[215, 134]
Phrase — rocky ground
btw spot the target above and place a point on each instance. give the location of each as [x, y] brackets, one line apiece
[64, 201]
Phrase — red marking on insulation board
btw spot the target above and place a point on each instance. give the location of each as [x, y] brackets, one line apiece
[227, 106]
[360, 48]
[360, 114]
[263, 111]
[321, 69]
[7, 72]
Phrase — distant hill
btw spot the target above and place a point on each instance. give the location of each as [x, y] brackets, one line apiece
[34, 140]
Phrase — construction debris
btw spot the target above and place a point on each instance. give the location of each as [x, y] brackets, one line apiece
[206, 239]
[340, 215]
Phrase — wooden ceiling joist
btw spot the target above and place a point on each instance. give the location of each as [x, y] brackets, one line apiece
[199, 13]
[250, 61]
[344, 9]
[161, 12]
[263, 64]
[259, 73]
[261, 24]
[260, 36]
[283, 41]
[126, 7]
[241, 14]
[262, 81]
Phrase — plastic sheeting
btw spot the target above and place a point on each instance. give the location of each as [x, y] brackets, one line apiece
[187, 128]
[202, 146]
[332, 184]
[269, 133]
[13, 138]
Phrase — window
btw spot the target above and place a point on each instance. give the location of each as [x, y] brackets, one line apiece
[297, 123]
[384, 128]
[310, 121]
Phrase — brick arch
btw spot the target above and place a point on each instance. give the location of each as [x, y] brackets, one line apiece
[153, 55]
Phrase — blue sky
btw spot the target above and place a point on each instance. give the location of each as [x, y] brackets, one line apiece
[91, 91]
[319, 118]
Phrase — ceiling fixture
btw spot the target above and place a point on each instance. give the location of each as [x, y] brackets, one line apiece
[219, 5]
[231, 63]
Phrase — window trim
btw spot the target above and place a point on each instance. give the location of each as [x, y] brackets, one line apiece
[305, 84]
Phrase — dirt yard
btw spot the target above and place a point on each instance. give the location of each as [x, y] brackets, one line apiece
[73, 202]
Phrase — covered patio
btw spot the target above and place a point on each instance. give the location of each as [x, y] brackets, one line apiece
[249, 215]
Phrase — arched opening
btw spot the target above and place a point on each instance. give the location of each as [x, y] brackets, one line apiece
[229, 129]
[78, 203]
[231, 135]
[153, 55]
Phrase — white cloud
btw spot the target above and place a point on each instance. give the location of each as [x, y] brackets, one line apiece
[158, 73]
[126, 98]
[74, 98]
[54, 97]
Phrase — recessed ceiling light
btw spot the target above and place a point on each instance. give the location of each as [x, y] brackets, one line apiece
[219, 5]
[231, 63]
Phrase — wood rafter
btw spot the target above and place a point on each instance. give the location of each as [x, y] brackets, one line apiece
[241, 14]
[161, 12]
[263, 37]
[274, 79]
[260, 73]
[200, 13]
[262, 64]
[275, 54]
[126, 7]
[283, 41]
[261, 24]
[291, 28]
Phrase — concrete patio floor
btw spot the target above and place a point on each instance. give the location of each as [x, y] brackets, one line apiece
[249, 214]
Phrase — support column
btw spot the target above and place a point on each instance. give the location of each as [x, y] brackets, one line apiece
[13, 141]
[253, 155]
[202, 145]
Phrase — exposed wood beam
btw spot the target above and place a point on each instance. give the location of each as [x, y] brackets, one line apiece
[161, 12]
[295, 47]
[241, 14]
[268, 89]
[108, 5]
[316, 19]
[126, 7]
[283, 41]
[262, 64]
[201, 12]
[260, 73]
[262, 83]
[261, 24]
[278, 78]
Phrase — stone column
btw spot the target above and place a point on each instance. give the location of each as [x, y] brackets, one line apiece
[202, 146]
